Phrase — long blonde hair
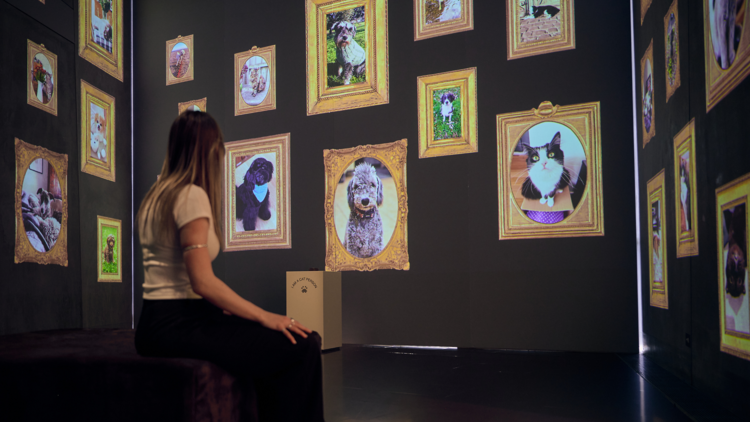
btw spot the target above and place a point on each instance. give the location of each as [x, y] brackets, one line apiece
[194, 157]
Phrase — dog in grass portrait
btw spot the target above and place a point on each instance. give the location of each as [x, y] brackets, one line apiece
[109, 252]
[446, 110]
[253, 194]
[346, 47]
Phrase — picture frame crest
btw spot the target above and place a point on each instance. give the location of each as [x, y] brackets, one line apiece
[32, 96]
[424, 30]
[100, 167]
[267, 54]
[110, 62]
[200, 103]
[104, 225]
[190, 73]
[547, 38]
[658, 290]
[684, 144]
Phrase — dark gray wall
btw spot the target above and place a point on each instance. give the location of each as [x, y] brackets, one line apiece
[465, 287]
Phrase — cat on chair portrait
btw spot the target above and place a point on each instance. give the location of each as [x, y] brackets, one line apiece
[252, 194]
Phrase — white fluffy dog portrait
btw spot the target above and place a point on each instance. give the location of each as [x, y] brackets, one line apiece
[98, 136]
[446, 108]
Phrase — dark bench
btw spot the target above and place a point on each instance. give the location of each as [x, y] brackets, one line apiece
[96, 375]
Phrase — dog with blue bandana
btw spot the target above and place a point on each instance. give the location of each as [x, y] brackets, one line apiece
[253, 194]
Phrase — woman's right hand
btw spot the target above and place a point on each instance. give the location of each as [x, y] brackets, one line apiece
[285, 324]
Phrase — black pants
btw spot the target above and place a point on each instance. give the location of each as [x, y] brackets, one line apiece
[287, 377]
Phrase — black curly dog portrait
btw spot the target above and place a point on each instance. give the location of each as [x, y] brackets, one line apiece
[248, 205]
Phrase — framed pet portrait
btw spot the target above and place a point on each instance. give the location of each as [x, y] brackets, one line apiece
[108, 249]
[433, 18]
[645, 4]
[41, 66]
[347, 54]
[97, 132]
[100, 35]
[686, 192]
[194, 105]
[731, 247]
[447, 113]
[549, 172]
[657, 242]
[256, 194]
[648, 120]
[180, 60]
[672, 49]
[366, 208]
[539, 26]
[255, 80]
[726, 38]
[41, 205]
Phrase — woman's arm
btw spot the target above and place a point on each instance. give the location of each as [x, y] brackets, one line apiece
[208, 286]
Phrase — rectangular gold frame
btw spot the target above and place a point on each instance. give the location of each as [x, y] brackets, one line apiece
[648, 55]
[201, 103]
[687, 242]
[281, 237]
[729, 195]
[395, 255]
[111, 63]
[190, 75]
[565, 41]
[24, 252]
[465, 79]
[677, 81]
[91, 94]
[322, 99]
[422, 30]
[720, 82]
[658, 295]
[268, 103]
[645, 4]
[588, 217]
[101, 275]
[32, 49]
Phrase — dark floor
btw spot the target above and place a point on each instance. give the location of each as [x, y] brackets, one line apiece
[400, 384]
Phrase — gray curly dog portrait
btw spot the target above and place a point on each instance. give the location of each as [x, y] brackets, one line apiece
[364, 229]
[350, 56]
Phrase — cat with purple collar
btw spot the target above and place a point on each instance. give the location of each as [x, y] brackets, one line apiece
[547, 175]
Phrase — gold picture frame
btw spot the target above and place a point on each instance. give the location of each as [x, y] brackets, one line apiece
[722, 78]
[177, 61]
[35, 218]
[392, 207]
[109, 256]
[253, 231]
[200, 104]
[657, 244]
[38, 94]
[433, 18]
[457, 137]
[686, 192]
[731, 219]
[648, 105]
[645, 4]
[97, 132]
[322, 98]
[672, 49]
[532, 31]
[579, 122]
[94, 26]
[255, 92]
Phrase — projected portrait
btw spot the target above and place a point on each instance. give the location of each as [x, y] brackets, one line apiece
[433, 18]
[366, 208]
[109, 249]
[346, 47]
[256, 194]
[255, 76]
[686, 192]
[97, 132]
[180, 58]
[648, 124]
[672, 49]
[732, 217]
[657, 242]
[549, 176]
[726, 38]
[100, 35]
[41, 205]
[194, 105]
[40, 88]
[539, 27]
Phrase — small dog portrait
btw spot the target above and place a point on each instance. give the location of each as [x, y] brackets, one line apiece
[257, 82]
[350, 56]
[446, 108]
[254, 80]
[735, 268]
[98, 133]
[108, 254]
[253, 194]
[364, 229]
[447, 113]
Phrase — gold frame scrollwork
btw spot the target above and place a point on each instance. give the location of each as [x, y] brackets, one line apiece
[565, 41]
[91, 94]
[190, 75]
[687, 242]
[658, 295]
[201, 103]
[32, 49]
[423, 30]
[111, 63]
[269, 103]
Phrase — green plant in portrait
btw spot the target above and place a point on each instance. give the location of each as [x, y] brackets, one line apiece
[444, 129]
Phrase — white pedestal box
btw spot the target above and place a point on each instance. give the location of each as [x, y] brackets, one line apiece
[314, 299]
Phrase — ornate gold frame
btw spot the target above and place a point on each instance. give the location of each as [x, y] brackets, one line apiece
[32, 49]
[645, 4]
[100, 275]
[687, 242]
[588, 218]
[423, 30]
[91, 94]
[111, 63]
[720, 82]
[189, 76]
[395, 255]
[565, 41]
[322, 99]
[658, 295]
[677, 81]
[648, 55]
[24, 252]
[465, 79]
[269, 103]
[729, 195]
[200, 103]
[281, 237]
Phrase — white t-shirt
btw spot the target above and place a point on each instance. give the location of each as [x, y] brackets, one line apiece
[166, 276]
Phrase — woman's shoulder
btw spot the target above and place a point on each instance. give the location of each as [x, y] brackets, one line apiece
[192, 193]
[192, 202]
